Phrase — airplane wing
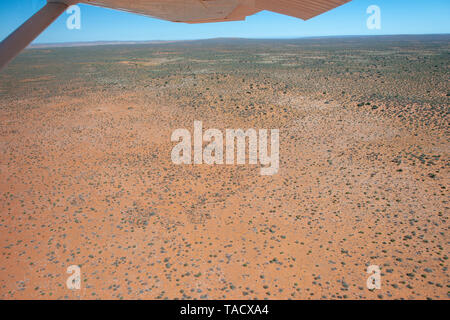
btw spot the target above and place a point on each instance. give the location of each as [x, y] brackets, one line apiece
[200, 11]
[188, 11]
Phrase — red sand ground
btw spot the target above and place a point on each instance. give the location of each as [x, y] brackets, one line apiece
[89, 181]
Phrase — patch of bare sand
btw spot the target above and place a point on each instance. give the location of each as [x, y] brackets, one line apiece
[150, 62]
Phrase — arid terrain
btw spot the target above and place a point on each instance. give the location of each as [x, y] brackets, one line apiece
[86, 176]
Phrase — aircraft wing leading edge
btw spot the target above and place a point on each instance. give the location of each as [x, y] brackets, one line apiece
[188, 11]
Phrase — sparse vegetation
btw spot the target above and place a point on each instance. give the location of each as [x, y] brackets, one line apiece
[87, 179]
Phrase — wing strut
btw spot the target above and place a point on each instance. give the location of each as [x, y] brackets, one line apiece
[30, 30]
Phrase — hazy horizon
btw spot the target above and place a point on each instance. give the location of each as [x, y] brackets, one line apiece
[112, 42]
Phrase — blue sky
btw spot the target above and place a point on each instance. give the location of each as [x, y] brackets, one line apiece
[99, 24]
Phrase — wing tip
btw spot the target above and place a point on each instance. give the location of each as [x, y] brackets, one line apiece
[305, 10]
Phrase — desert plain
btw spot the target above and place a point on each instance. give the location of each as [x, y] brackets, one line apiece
[86, 176]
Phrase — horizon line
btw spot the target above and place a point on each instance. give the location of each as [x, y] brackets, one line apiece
[119, 42]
